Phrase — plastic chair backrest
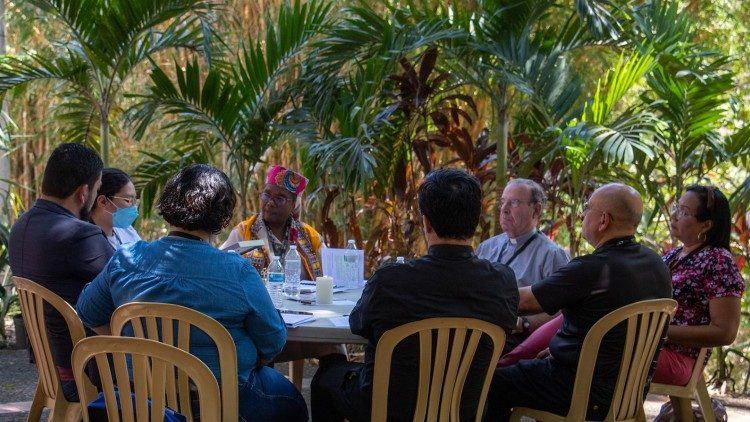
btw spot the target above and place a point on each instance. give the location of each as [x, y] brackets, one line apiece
[154, 369]
[645, 323]
[441, 381]
[159, 320]
[695, 388]
[49, 390]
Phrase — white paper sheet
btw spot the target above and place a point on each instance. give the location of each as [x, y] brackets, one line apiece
[341, 321]
[333, 265]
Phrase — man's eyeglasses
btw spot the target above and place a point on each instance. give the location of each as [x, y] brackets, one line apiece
[681, 211]
[514, 203]
[277, 200]
[130, 200]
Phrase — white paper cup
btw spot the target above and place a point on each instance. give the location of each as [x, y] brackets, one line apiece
[324, 290]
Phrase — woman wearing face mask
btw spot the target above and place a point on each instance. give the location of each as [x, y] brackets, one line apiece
[116, 208]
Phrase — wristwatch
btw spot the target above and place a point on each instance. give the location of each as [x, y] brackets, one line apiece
[525, 324]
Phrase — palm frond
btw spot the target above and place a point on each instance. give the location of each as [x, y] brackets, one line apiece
[80, 119]
[622, 141]
[71, 68]
[150, 176]
[601, 21]
[79, 16]
[737, 147]
[661, 26]
[210, 106]
[615, 83]
[691, 100]
[265, 61]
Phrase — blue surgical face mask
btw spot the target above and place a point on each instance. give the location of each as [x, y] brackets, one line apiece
[123, 218]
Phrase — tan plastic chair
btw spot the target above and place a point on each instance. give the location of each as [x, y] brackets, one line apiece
[646, 321]
[441, 382]
[160, 319]
[695, 388]
[48, 389]
[160, 373]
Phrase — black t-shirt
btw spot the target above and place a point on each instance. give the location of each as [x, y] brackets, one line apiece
[52, 247]
[617, 273]
[450, 281]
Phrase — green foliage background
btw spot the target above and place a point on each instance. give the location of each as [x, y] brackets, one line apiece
[365, 97]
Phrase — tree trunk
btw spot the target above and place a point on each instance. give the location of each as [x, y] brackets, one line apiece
[500, 130]
[104, 136]
[4, 157]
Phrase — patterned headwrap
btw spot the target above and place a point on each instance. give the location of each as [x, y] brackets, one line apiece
[287, 179]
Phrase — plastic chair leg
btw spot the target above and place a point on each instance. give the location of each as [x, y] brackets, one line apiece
[37, 404]
[683, 408]
[704, 401]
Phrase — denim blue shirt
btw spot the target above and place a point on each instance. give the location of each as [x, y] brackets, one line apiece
[196, 275]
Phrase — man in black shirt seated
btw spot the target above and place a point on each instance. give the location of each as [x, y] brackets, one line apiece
[450, 281]
[619, 272]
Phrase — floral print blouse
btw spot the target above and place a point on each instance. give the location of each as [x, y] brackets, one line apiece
[697, 279]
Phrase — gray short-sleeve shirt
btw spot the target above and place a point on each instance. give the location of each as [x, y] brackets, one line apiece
[538, 260]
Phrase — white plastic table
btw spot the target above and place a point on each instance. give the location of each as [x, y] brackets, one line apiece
[322, 330]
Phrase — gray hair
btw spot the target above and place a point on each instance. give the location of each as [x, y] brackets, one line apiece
[537, 193]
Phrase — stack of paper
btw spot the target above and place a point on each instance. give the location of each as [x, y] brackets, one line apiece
[294, 319]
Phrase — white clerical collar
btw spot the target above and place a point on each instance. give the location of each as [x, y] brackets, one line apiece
[522, 238]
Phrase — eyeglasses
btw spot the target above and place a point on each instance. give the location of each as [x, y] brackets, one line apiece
[130, 200]
[514, 203]
[277, 200]
[681, 211]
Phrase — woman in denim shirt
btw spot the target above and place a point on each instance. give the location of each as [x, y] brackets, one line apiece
[184, 268]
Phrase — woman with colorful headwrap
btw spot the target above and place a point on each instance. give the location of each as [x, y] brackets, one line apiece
[278, 225]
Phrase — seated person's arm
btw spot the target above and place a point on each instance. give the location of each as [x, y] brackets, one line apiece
[263, 324]
[721, 331]
[95, 304]
[552, 262]
[535, 321]
[527, 303]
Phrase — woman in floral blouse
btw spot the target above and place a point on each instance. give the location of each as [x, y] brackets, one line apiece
[706, 283]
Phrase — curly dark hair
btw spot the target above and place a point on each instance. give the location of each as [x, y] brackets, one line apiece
[714, 206]
[198, 197]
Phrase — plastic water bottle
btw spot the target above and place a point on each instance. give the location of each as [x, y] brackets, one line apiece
[292, 268]
[400, 260]
[351, 269]
[275, 283]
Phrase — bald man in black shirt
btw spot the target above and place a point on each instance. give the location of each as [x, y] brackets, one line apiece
[619, 272]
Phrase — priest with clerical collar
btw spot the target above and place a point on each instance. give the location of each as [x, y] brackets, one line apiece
[529, 253]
